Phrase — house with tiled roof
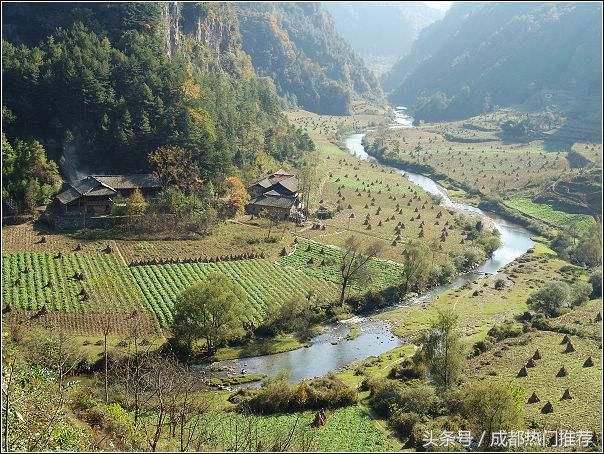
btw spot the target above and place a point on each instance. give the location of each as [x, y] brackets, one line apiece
[276, 195]
[95, 194]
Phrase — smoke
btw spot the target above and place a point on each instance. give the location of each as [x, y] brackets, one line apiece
[70, 163]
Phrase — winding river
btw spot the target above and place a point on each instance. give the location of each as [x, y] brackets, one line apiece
[331, 350]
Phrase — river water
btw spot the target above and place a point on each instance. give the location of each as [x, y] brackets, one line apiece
[330, 350]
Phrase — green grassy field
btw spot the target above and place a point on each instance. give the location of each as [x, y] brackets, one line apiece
[579, 223]
[503, 362]
[493, 167]
[479, 304]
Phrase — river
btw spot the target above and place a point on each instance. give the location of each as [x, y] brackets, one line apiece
[330, 350]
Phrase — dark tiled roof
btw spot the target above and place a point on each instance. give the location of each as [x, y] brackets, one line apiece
[276, 202]
[137, 180]
[270, 180]
[291, 184]
[101, 185]
[68, 196]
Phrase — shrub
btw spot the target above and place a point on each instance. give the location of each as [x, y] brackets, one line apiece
[505, 329]
[277, 395]
[491, 406]
[406, 370]
[581, 292]
[551, 299]
[596, 283]
[403, 422]
[414, 396]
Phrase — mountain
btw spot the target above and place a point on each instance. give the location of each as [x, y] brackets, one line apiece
[297, 46]
[480, 55]
[381, 33]
[101, 85]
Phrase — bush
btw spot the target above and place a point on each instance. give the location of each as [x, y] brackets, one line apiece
[551, 299]
[278, 396]
[406, 370]
[413, 397]
[596, 283]
[491, 406]
[504, 330]
[403, 422]
[581, 292]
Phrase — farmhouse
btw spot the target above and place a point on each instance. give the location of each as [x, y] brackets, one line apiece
[95, 194]
[277, 195]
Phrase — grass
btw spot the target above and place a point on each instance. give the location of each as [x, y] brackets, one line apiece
[479, 305]
[260, 347]
[503, 362]
[492, 168]
[361, 188]
[579, 223]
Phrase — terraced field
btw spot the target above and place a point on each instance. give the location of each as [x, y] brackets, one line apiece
[321, 261]
[265, 284]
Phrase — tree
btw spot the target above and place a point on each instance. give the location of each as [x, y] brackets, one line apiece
[355, 260]
[551, 298]
[29, 179]
[273, 218]
[176, 166]
[416, 266]
[589, 249]
[208, 310]
[492, 407]
[309, 178]
[237, 194]
[136, 204]
[442, 349]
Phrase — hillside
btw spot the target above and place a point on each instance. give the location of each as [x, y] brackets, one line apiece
[481, 55]
[297, 46]
[380, 33]
[100, 86]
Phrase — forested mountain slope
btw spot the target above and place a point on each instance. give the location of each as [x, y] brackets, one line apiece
[102, 85]
[547, 55]
[296, 44]
[381, 33]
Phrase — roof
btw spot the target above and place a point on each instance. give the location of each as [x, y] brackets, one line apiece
[136, 180]
[274, 178]
[107, 185]
[291, 184]
[274, 202]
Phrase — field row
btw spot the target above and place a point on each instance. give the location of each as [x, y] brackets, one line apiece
[265, 284]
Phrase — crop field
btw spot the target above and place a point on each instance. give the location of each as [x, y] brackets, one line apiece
[377, 204]
[31, 280]
[579, 223]
[265, 284]
[490, 168]
[323, 262]
[42, 286]
[346, 429]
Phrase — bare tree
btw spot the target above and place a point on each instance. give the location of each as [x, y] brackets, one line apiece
[354, 262]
